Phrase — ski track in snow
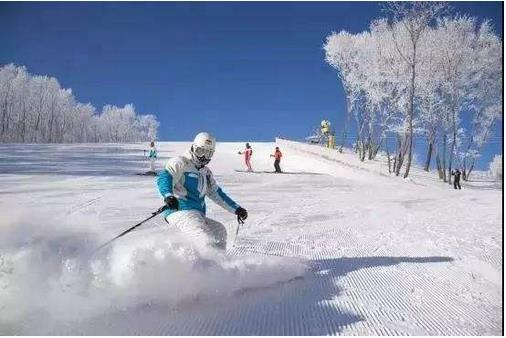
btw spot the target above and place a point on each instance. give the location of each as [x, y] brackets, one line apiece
[386, 256]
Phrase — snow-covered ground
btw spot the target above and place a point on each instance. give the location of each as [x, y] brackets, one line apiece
[377, 254]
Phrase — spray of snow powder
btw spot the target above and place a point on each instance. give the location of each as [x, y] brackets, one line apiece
[50, 273]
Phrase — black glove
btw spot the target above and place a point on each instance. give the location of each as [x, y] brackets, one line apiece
[241, 213]
[172, 202]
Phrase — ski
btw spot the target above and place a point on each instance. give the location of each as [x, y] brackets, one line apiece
[148, 173]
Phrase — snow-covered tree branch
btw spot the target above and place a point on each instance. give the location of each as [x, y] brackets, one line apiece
[418, 73]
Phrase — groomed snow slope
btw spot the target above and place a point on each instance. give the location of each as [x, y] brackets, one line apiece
[379, 255]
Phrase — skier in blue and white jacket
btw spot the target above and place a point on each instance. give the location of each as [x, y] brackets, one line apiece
[184, 183]
[152, 158]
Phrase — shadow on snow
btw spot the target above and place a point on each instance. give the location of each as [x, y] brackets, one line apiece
[74, 159]
[300, 307]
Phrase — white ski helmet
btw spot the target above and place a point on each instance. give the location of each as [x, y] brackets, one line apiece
[202, 149]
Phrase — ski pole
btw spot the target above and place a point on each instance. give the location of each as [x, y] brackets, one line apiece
[240, 222]
[159, 211]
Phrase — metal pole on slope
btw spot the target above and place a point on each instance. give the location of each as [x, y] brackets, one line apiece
[157, 212]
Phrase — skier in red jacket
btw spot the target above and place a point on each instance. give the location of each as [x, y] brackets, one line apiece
[248, 152]
[277, 158]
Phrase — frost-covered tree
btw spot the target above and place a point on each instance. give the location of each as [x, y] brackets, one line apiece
[421, 75]
[455, 37]
[147, 126]
[117, 124]
[486, 93]
[364, 67]
[411, 19]
[373, 55]
[341, 54]
[37, 109]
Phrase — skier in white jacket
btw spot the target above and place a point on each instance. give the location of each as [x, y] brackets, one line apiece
[184, 183]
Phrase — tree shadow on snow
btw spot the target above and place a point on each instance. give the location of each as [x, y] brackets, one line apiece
[308, 303]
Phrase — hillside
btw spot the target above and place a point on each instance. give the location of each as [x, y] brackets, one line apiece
[333, 246]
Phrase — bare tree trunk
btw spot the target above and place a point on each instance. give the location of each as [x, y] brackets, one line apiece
[401, 154]
[4, 111]
[370, 141]
[360, 139]
[50, 127]
[452, 151]
[388, 156]
[23, 125]
[470, 170]
[464, 162]
[4, 117]
[410, 153]
[411, 112]
[438, 159]
[398, 159]
[346, 122]
[444, 157]
[375, 151]
[369, 148]
[39, 114]
[362, 150]
[429, 156]
[439, 167]
[343, 140]
[63, 126]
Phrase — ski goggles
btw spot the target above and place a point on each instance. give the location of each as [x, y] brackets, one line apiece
[203, 152]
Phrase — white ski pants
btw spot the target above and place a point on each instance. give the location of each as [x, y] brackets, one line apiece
[201, 230]
[152, 164]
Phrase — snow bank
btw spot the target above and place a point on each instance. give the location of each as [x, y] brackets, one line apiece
[345, 158]
[52, 271]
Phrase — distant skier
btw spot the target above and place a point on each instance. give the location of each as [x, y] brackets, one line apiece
[152, 158]
[277, 159]
[456, 180]
[184, 183]
[248, 152]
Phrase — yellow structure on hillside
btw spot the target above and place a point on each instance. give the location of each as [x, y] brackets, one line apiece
[328, 134]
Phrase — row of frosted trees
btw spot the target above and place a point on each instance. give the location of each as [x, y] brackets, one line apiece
[35, 109]
[420, 73]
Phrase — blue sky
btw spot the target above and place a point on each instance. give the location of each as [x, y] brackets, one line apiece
[243, 71]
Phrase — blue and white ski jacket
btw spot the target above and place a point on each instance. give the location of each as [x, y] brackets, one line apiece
[152, 153]
[190, 186]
